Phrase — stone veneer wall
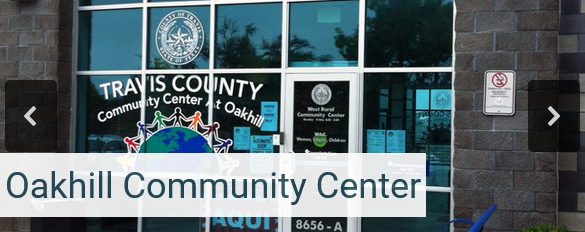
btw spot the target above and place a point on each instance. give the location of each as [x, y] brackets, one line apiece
[36, 44]
[492, 163]
[572, 66]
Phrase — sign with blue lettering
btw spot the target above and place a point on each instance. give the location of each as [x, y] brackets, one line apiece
[395, 141]
[261, 144]
[376, 142]
[242, 138]
[270, 113]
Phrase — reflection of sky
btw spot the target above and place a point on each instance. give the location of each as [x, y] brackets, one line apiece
[303, 23]
[104, 2]
[372, 14]
[116, 38]
[267, 18]
[96, 81]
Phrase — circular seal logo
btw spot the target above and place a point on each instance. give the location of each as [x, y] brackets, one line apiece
[442, 99]
[179, 37]
[321, 94]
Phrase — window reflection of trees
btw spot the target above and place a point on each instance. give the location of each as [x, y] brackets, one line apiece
[415, 33]
[236, 47]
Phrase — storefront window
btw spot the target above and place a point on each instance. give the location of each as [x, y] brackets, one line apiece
[438, 205]
[111, 224]
[410, 113]
[414, 33]
[178, 38]
[249, 113]
[99, 41]
[245, 40]
[236, 104]
[108, 117]
[106, 2]
[178, 224]
[323, 34]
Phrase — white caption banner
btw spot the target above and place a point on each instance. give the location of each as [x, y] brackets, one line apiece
[166, 185]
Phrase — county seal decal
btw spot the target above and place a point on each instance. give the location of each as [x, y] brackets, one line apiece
[442, 99]
[321, 94]
[179, 37]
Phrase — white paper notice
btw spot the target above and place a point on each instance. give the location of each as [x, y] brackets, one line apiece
[499, 93]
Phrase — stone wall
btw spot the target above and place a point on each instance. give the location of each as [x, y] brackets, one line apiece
[36, 44]
[492, 163]
[572, 67]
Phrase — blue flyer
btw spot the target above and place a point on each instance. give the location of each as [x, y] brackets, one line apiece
[261, 144]
[270, 113]
[376, 142]
[395, 141]
[242, 138]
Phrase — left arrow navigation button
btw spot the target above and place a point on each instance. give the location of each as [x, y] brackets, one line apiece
[28, 118]
[31, 116]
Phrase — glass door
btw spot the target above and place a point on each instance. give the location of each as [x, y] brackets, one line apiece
[320, 119]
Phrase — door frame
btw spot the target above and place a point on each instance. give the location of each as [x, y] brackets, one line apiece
[354, 137]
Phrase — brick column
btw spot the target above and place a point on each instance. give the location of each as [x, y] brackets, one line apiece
[36, 44]
[572, 67]
[492, 164]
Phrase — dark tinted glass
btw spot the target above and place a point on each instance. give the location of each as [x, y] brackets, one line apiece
[178, 38]
[414, 33]
[105, 2]
[111, 224]
[171, 0]
[239, 114]
[410, 112]
[248, 36]
[103, 121]
[110, 40]
[436, 219]
[323, 34]
[166, 224]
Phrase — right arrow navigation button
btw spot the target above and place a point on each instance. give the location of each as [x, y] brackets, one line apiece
[556, 116]
[561, 98]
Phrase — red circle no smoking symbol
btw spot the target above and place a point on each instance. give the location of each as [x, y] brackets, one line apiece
[499, 80]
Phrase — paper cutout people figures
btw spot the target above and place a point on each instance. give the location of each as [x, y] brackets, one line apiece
[142, 131]
[195, 120]
[224, 145]
[158, 120]
[177, 117]
[230, 164]
[212, 130]
[126, 162]
[131, 144]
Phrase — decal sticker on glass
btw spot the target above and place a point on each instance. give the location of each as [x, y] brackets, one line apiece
[395, 141]
[179, 37]
[242, 138]
[441, 99]
[270, 114]
[261, 144]
[376, 142]
[321, 112]
[321, 94]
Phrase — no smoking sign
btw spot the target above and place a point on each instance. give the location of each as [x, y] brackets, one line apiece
[499, 80]
[499, 92]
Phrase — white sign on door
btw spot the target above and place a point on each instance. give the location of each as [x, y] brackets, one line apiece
[499, 97]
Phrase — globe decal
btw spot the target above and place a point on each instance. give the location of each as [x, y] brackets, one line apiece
[175, 140]
[197, 146]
